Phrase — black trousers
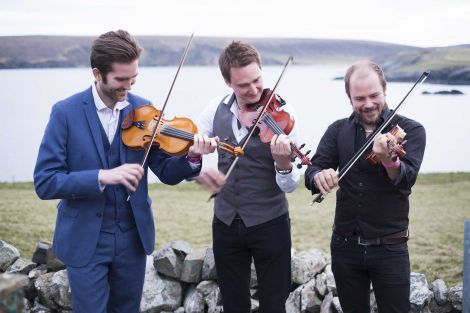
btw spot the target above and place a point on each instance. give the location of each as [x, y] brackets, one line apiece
[269, 244]
[355, 266]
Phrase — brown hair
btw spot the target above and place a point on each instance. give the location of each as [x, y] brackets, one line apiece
[237, 54]
[111, 47]
[361, 64]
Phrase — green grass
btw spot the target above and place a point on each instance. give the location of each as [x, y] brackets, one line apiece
[439, 205]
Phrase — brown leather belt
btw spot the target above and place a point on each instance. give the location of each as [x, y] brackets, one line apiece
[392, 239]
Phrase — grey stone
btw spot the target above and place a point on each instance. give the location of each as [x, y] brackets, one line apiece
[327, 304]
[254, 305]
[181, 248]
[208, 267]
[192, 266]
[21, 266]
[321, 285]
[330, 280]
[159, 293]
[39, 308]
[54, 290]
[439, 289]
[293, 301]
[53, 262]
[168, 263]
[40, 253]
[336, 305]
[434, 307]
[310, 301]
[211, 294]
[307, 264]
[8, 255]
[253, 276]
[193, 301]
[420, 295]
[455, 296]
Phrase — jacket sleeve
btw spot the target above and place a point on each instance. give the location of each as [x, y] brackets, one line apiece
[171, 170]
[52, 176]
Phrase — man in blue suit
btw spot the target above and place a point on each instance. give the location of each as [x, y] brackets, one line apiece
[102, 238]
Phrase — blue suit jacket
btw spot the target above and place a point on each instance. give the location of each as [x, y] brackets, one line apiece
[70, 156]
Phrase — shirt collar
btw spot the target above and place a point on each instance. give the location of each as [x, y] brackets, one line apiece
[100, 106]
[233, 107]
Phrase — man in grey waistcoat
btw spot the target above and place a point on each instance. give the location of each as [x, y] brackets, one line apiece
[251, 219]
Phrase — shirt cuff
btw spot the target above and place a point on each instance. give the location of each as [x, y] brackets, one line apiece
[288, 182]
[102, 187]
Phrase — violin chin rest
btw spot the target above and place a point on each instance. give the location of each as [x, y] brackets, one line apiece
[128, 120]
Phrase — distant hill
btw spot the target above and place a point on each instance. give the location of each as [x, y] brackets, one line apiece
[66, 51]
[449, 65]
[401, 63]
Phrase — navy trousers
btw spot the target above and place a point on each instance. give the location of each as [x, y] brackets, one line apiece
[355, 267]
[113, 280]
[269, 244]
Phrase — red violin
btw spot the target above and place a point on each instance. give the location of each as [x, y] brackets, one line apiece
[395, 145]
[275, 121]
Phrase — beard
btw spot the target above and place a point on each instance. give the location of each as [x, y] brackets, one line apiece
[117, 95]
[371, 116]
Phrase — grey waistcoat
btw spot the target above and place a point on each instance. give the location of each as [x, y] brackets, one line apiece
[251, 190]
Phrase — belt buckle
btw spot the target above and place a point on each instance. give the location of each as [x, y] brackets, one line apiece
[360, 242]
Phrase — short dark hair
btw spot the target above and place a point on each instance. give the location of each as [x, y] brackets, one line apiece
[113, 47]
[237, 54]
[365, 63]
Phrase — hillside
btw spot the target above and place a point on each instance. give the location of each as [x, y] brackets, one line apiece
[449, 65]
[62, 51]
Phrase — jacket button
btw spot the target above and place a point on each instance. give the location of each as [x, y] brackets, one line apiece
[361, 184]
[99, 215]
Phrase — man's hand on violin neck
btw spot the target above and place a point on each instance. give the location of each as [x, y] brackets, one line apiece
[211, 179]
[381, 147]
[326, 180]
[281, 151]
[202, 145]
[127, 175]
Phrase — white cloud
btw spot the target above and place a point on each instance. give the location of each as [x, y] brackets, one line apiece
[419, 22]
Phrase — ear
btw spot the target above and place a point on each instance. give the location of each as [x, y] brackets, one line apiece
[97, 74]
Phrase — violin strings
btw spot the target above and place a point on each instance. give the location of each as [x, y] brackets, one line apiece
[174, 132]
[276, 129]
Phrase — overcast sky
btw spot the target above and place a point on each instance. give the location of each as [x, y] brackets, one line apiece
[423, 23]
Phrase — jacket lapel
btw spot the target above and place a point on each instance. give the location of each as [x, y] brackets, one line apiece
[94, 124]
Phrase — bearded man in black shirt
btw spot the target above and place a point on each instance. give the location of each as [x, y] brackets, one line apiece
[370, 232]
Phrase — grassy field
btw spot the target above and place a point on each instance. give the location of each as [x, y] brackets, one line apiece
[439, 205]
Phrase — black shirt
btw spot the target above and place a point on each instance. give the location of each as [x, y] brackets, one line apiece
[368, 203]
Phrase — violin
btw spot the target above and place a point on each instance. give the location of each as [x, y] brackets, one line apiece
[395, 145]
[275, 121]
[174, 136]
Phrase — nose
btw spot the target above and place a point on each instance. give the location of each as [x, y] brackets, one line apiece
[253, 89]
[128, 84]
[368, 102]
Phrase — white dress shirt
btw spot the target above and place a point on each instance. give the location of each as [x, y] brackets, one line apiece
[109, 118]
[287, 182]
